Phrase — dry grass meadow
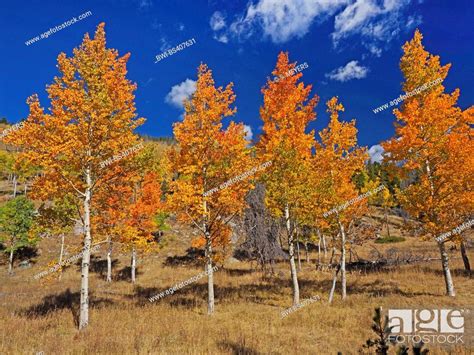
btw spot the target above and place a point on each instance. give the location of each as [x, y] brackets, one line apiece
[39, 316]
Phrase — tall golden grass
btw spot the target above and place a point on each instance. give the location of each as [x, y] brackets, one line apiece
[39, 316]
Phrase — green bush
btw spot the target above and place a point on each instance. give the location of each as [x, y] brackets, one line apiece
[391, 239]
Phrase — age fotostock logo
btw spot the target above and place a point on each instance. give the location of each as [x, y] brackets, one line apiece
[442, 326]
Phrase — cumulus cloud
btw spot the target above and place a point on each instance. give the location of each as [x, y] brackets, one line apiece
[180, 92]
[376, 153]
[375, 21]
[351, 70]
[217, 21]
[353, 17]
[282, 20]
[248, 132]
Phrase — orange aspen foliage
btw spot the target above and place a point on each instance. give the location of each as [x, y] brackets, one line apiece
[147, 204]
[111, 222]
[287, 110]
[433, 141]
[337, 160]
[91, 119]
[209, 156]
[128, 216]
[141, 220]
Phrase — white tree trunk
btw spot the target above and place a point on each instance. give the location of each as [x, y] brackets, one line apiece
[442, 248]
[334, 280]
[109, 262]
[306, 251]
[84, 303]
[15, 185]
[61, 256]
[291, 251]
[319, 251]
[325, 249]
[134, 264]
[430, 178]
[10, 261]
[210, 277]
[299, 254]
[447, 273]
[343, 260]
[320, 240]
[208, 268]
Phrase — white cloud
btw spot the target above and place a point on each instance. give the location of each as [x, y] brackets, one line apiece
[375, 50]
[375, 23]
[221, 38]
[376, 153]
[180, 92]
[218, 25]
[353, 17]
[217, 21]
[351, 70]
[248, 132]
[281, 20]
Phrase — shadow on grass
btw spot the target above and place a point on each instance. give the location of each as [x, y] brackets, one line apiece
[236, 348]
[195, 295]
[454, 272]
[380, 288]
[27, 253]
[192, 257]
[187, 303]
[125, 274]
[65, 300]
[239, 272]
[23, 254]
[97, 265]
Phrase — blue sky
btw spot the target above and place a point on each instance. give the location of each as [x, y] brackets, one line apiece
[352, 47]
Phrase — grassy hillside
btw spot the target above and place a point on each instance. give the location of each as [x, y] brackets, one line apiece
[37, 315]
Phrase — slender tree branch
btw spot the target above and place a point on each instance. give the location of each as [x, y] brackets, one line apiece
[192, 220]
